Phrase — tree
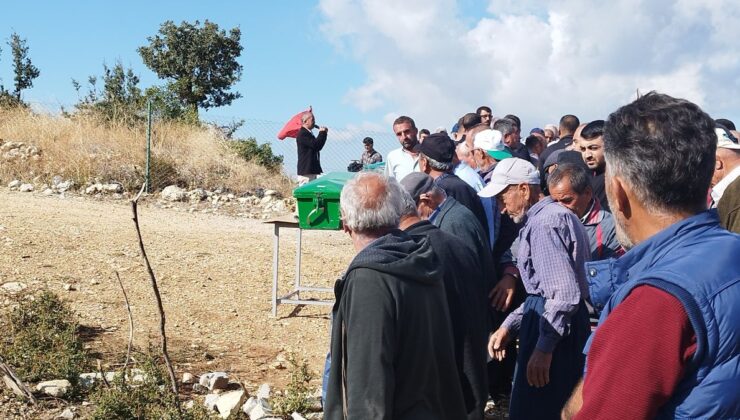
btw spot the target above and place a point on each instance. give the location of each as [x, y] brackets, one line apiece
[24, 70]
[120, 99]
[198, 62]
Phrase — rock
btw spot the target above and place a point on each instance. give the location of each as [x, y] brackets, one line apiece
[210, 401]
[13, 387]
[219, 380]
[47, 192]
[263, 392]
[200, 388]
[64, 186]
[197, 195]
[67, 414]
[173, 193]
[15, 184]
[261, 410]
[271, 193]
[57, 388]
[187, 378]
[243, 200]
[249, 405]
[297, 416]
[113, 188]
[13, 287]
[68, 287]
[230, 401]
[26, 188]
[189, 405]
[56, 180]
[95, 188]
[279, 206]
[266, 200]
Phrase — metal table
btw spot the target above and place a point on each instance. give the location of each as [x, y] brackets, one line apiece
[294, 296]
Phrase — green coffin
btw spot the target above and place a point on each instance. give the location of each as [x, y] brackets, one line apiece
[318, 201]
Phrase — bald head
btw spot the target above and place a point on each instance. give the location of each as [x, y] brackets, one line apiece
[371, 204]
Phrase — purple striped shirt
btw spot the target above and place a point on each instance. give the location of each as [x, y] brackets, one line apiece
[553, 247]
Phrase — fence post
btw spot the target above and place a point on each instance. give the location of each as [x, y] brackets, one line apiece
[148, 145]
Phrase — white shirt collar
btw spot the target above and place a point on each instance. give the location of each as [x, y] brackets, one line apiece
[722, 185]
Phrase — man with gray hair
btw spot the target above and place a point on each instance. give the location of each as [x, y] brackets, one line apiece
[391, 321]
[667, 342]
[511, 138]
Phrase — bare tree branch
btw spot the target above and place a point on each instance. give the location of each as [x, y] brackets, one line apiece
[160, 308]
[12, 381]
[130, 324]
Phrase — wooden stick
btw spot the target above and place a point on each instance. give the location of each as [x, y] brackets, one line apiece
[130, 324]
[11, 377]
[158, 298]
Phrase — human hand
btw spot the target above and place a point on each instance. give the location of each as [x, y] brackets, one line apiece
[497, 344]
[503, 293]
[323, 129]
[538, 368]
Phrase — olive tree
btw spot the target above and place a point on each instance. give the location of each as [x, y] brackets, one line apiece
[198, 61]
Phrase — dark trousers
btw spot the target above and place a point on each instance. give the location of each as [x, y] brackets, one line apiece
[566, 369]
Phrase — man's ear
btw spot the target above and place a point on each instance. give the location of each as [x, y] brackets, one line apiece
[620, 192]
[718, 164]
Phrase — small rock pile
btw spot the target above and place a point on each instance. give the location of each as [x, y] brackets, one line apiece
[16, 150]
[260, 204]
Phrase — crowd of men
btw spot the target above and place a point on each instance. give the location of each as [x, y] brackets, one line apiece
[483, 263]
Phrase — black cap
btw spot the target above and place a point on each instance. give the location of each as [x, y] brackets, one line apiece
[438, 146]
[367, 140]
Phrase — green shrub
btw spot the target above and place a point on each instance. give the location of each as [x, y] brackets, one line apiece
[297, 397]
[150, 399]
[261, 154]
[42, 342]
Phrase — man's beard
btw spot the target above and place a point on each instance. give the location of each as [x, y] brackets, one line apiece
[621, 233]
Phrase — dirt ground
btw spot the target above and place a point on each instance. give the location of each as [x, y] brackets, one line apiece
[214, 273]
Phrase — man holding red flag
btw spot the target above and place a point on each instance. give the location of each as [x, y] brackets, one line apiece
[309, 148]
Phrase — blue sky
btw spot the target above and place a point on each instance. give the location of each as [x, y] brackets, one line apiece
[361, 63]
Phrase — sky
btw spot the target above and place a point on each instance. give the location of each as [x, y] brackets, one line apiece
[362, 63]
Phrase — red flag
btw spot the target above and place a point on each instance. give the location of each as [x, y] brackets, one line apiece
[293, 126]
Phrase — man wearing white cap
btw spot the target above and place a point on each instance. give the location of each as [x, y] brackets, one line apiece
[488, 148]
[552, 323]
[726, 180]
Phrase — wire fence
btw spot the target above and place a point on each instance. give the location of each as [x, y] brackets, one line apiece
[342, 147]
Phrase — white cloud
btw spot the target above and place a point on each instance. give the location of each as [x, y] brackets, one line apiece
[537, 59]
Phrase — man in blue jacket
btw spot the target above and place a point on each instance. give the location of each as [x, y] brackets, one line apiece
[667, 342]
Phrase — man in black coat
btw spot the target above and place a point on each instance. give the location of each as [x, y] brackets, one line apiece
[391, 343]
[568, 125]
[309, 148]
[463, 274]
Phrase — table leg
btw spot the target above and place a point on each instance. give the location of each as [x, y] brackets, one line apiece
[298, 263]
[275, 265]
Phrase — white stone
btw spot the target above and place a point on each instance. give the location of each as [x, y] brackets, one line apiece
[67, 414]
[249, 405]
[57, 388]
[297, 416]
[267, 199]
[69, 288]
[15, 184]
[113, 188]
[243, 200]
[270, 192]
[197, 195]
[26, 188]
[47, 192]
[230, 401]
[13, 286]
[189, 405]
[260, 411]
[173, 193]
[210, 401]
[92, 189]
[187, 378]
[56, 180]
[263, 392]
[64, 186]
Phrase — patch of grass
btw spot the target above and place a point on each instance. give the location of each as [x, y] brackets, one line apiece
[40, 339]
[297, 396]
[150, 399]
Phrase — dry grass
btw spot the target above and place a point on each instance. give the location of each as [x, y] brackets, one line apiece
[86, 150]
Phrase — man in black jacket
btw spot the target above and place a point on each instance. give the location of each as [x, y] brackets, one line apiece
[309, 148]
[463, 275]
[391, 342]
[568, 125]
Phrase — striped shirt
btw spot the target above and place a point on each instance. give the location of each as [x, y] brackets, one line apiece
[553, 247]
